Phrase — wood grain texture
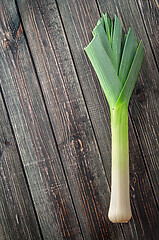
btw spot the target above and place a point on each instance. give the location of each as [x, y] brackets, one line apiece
[63, 71]
[150, 14]
[82, 17]
[33, 132]
[69, 118]
[17, 216]
[144, 103]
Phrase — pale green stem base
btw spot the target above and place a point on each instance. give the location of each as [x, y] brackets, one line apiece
[120, 210]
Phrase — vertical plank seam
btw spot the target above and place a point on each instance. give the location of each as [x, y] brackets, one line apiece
[133, 125]
[32, 60]
[21, 163]
[147, 34]
[138, 218]
[98, 7]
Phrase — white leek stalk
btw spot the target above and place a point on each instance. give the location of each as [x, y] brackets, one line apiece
[120, 210]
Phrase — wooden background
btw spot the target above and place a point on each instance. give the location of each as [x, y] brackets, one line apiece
[55, 134]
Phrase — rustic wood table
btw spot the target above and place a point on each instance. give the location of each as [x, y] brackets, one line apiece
[55, 139]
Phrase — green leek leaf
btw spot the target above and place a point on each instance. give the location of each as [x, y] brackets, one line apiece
[132, 77]
[112, 29]
[100, 32]
[116, 43]
[104, 69]
[128, 54]
[101, 20]
[107, 26]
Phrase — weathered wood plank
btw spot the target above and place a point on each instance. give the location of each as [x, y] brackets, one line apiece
[33, 132]
[145, 100]
[17, 216]
[79, 18]
[150, 14]
[69, 118]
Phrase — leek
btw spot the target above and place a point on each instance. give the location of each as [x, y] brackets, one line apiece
[117, 64]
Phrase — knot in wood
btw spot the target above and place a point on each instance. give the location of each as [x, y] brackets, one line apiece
[77, 144]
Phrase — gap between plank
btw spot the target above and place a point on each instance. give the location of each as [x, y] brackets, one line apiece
[147, 35]
[133, 125]
[45, 106]
[22, 166]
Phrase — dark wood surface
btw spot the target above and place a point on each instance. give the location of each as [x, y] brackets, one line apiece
[55, 139]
